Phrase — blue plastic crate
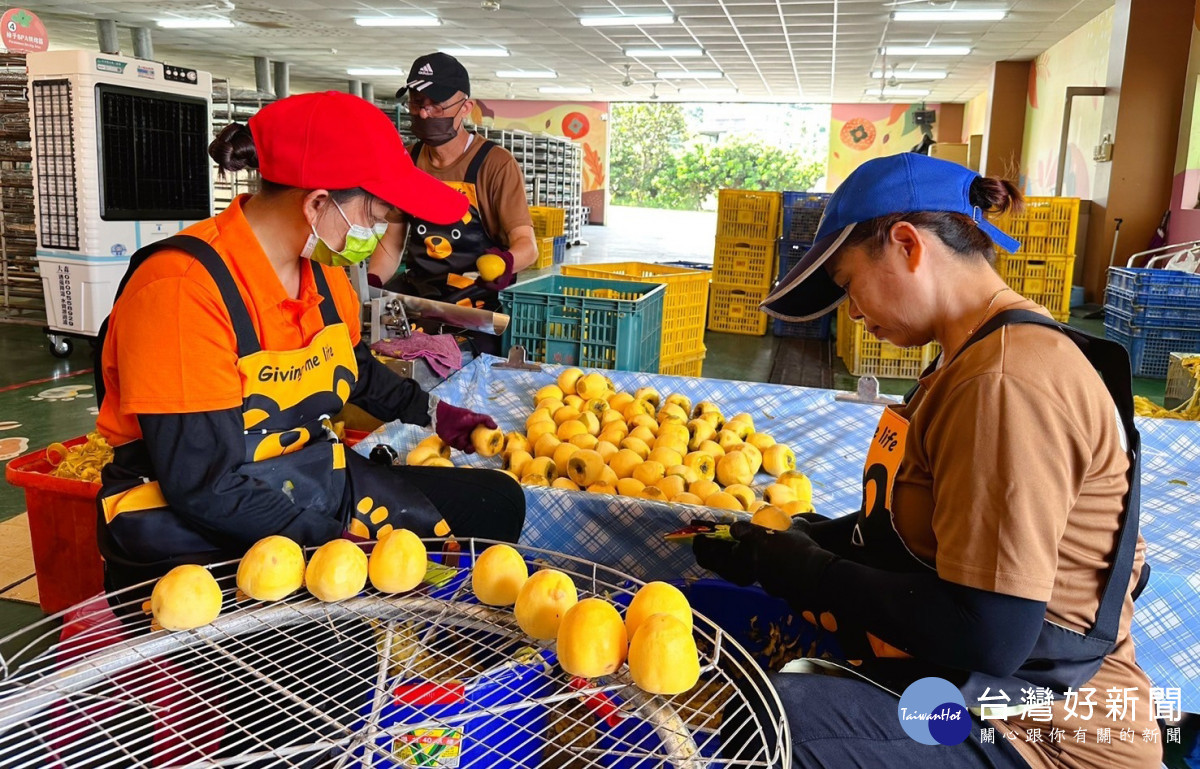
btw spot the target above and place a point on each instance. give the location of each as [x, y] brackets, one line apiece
[802, 213]
[790, 252]
[587, 322]
[1149, 348]
[560, 249]
[807, 329]
[1152, 287]
[1133, 306]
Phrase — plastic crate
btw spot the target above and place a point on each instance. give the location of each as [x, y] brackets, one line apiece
[1152, 315]
[1149, 348]
[545, 253]
[866, 355]
[790, 253]
[684, 306]
[1180, 382]
[747, 214]
[548, 222]
[684, 365]
[1156, 288]
[690, 265]
[560, 249]
[62, 529]
[586, 322]
[748, 264]
[734, 310]
[1042, 278]
[802, 212]
[806, 329]
[1045, 226]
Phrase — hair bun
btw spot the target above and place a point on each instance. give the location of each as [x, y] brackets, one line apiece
[995, 196]
[233, 149]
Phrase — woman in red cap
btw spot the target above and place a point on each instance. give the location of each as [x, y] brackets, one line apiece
[227, 353]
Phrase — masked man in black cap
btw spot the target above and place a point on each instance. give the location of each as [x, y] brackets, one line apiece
[435, 258]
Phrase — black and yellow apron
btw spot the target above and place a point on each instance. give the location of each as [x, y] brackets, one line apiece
[1061, 658]
[436, 256]
[289, 397]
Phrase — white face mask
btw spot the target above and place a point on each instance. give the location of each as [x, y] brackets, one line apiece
[361, 242]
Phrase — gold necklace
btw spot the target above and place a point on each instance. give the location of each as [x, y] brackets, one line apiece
[986, 310]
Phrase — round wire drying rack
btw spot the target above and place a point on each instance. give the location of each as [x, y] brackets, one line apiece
[429, 678]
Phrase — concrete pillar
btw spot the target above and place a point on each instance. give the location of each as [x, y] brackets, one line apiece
[262, 74]
[368, 92]
[1008, 93]
[143, 47]
[354, 87]
[1151, 40]
[106, 30]
[282, 79]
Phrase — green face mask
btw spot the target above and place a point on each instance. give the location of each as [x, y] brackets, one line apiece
[361, 242]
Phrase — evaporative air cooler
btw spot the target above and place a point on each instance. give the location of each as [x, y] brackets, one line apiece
[119, 160]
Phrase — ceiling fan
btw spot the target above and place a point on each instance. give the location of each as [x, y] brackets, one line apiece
[891, 81]
[630, 80]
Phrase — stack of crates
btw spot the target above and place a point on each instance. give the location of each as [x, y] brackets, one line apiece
[1152, 313]
[743, 260]
[545, 253]
[802, 213]
[866, 355]
[584, 322]
[682, 350]
[548, 222]
[1042, 270]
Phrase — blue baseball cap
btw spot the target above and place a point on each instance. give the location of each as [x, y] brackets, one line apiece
[898, 184]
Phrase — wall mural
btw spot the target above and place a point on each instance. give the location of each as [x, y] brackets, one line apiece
[1185, 191]
[1080, 59]
[861, 132]
[584, 122]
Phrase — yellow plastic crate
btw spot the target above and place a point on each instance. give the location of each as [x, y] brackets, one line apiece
[685, 305]
[548, 222]
[1046, 226]
[866, 355]
[748, 214]
[686, 365]
[1045, 279]
[545, 253]
[746, 263]
[734, 309]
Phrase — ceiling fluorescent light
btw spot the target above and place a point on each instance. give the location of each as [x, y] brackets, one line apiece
[930, 50]
[481, 52]
[645, 20]
[912, 74]
[693, 74]
[195, 23]
[398, 21]
[564, 89]
[536, 74]
[897, 92]
[949, 15]
[380, 71]
[673, 53]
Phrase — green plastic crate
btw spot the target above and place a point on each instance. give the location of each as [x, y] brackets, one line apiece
[586, 322]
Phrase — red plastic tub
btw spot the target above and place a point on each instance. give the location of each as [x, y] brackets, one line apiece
[62, 526]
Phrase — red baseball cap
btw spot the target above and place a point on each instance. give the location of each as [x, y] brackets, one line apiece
[337, 141]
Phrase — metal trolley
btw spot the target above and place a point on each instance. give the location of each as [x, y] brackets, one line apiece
[430, 678]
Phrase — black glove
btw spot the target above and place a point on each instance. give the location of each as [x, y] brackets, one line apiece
[788, 564]
[505, 278]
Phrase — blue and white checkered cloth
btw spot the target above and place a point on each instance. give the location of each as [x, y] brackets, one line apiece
[829, 438]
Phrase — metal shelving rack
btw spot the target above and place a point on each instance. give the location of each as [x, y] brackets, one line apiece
[231, 104]
[21, 295]
[553, 170]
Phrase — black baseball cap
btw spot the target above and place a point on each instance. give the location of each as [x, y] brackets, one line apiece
[438, 76]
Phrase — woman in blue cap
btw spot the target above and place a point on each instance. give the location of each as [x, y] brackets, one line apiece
[981, 596]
